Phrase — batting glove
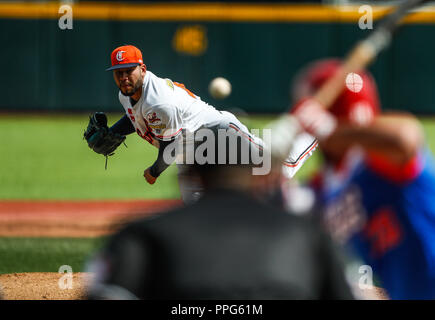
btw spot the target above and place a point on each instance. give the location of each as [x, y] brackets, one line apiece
[314, 118]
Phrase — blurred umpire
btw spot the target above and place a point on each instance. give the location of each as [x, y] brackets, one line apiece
[228, 245]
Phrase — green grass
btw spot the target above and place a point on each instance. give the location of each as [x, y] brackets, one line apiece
[429, 130]
[45, 254]
[45, 157]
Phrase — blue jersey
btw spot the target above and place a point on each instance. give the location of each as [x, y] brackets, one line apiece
[387, 218]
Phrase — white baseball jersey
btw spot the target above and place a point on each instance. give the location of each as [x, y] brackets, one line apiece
[302, 149]
[166, 108]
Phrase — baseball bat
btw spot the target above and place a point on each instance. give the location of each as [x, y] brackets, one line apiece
[364, 52]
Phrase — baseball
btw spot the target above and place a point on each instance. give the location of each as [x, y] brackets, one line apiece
[219, 88]
[354, 82]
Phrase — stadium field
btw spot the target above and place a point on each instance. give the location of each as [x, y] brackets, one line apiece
[45, 158]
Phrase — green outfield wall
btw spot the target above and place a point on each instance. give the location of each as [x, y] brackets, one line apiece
[47, 68]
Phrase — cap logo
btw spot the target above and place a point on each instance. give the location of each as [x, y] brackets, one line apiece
[119, 56]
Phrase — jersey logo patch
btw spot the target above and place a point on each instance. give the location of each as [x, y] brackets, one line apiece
[157, 126]
[152, 118]
[169, 83]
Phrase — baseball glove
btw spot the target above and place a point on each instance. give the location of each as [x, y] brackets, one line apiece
[99, 137]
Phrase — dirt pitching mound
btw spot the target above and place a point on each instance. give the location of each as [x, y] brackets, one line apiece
[375, 293]
[43, 286]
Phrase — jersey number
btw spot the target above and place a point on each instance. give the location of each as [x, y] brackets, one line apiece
[182, 86]
[383, 232]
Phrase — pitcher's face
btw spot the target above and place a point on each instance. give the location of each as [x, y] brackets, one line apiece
[129, 80]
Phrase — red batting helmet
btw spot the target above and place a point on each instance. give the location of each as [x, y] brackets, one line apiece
[359, 100]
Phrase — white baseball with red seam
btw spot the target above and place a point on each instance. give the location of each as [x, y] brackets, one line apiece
[219, 88]
[354, 82]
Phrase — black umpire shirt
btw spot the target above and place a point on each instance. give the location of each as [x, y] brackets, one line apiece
[226, 246]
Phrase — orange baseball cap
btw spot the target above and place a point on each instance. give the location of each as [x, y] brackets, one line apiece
[125, 57]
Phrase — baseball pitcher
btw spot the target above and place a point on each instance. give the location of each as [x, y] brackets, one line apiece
[160, 111]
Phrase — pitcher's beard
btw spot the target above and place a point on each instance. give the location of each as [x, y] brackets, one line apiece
[132, 91]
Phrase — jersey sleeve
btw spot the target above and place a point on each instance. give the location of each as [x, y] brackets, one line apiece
[160, 164]
[395, 173]
[302, 149]
[164, 121]
[123, 126]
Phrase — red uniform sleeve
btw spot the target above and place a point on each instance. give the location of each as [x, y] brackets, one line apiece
[394, 172]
